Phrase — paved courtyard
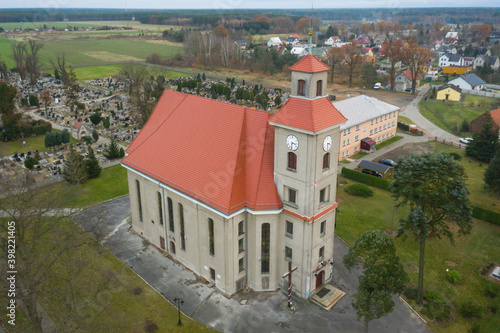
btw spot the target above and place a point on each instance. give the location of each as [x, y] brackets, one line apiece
[244, 312]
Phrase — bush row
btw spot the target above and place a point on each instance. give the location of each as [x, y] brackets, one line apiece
[367, 179]
[478, 213]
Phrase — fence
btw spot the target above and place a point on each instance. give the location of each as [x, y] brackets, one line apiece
[492, 86]
[481, 93]
[447, 142]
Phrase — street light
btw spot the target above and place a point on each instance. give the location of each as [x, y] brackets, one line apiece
[179, 302]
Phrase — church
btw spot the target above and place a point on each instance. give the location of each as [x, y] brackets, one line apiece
[235, 194]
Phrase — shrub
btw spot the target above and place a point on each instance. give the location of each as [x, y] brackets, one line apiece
[410, 293]
[105, 122]
[486, 215]
[367, 179]
[433, 296]
[87, 139]
[30, 163]
[359, 190]
[440, 312]
[453, 276]
[455, 156]
[470, 310]
[491, 290]
[494, 308]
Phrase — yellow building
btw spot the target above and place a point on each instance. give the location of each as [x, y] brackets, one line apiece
[458, 70]
[449, 92]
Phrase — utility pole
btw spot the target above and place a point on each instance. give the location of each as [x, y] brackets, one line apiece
[289, 274]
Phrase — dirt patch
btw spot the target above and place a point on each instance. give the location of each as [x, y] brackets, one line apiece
[110, 56]
[416, 148]
[450, 263]
[161, 42]
[410, 267]
[395, 98]
[391, 233]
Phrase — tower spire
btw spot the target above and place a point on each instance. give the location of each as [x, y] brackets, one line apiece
[311, 30]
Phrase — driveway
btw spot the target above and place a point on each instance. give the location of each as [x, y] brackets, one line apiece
[412, 111]
[244, 312]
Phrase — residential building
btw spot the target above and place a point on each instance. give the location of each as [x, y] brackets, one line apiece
[468, 82]
[235, 194]
[242, 44]
[482, 59]
[449, 59]
[477, 124]
[366, 117]
[449, 92]
[403, 80]
[273, 41]
[332, 40]
[292, 41]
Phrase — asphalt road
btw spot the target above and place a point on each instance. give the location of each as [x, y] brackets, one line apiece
[244, 312]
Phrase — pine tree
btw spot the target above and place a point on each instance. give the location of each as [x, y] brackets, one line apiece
[92, 164]
[65, 136]
[277, 101]
[485, 143]
[95, 135]
[112, 151]
[48, 141]
[492, 173]
[74, 168]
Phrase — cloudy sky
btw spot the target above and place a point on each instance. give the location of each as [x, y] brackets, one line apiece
[240, 4]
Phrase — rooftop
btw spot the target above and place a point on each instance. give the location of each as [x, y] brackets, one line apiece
[362, 108]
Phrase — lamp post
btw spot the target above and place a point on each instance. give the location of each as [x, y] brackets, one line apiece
[179, 302]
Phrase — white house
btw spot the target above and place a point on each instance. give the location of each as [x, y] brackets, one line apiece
[482, 59]
[451, 34]
[403, 80]
[451, 60]
[273, 41]
[299, 51]
[292, 41]
[468, 82]
[332, 40]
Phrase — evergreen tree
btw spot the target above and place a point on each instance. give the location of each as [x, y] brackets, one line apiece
[95, 135]
[92, 166]
[95, 118]
[485, 143]
[48, 140]
[492, 173]
[112, 151]
[465, 126]
[65, 137]
[277, 101]
[74, 168]
[122, 152]
[30, 163]
[203, 77]
[57, 138]
[106, 122]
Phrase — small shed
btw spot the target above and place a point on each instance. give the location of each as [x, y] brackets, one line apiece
[384, 170]
[367, 145]
[79, 130]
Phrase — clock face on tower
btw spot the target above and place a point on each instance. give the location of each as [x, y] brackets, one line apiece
[292, 142]
[327, 143]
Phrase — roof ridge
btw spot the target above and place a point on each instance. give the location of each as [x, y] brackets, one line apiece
[157, 128]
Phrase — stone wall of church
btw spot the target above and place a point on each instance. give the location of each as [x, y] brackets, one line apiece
[310, 83]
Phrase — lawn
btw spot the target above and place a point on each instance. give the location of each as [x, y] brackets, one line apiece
[388, 142]
[405, 120]
[94, 51]
[111, 183]
[468, 256]
[32, 143]
[448, 114]
[480, 195]
[108, 295]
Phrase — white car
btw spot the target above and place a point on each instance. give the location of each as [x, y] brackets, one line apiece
[377, 85]
[466, 140]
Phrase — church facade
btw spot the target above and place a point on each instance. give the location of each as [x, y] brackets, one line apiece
[235, 194]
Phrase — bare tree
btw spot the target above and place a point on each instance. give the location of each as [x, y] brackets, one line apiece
[140, 89]
[353, 59]
[33, 61]
[226, 47]
[71, 91]
[46, 97]
[43, 239]
[392, 52]
[209, 43]
[19, 56]
[416, 58]
[60, 67]
[333, 58]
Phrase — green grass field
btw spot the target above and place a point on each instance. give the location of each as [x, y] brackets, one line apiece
[108, 295]
[405, 120]
[111, 183]
[32, 143]
[94, 51]
[447, 115]
[469, 254]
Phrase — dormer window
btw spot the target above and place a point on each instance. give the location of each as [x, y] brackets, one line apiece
[319, 88]
[301, 88]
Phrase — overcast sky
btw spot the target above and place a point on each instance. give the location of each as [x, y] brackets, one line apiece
[240, 4]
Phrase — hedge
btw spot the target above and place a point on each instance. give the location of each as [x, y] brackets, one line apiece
[478, 213]
[367, 179]
[486, 215]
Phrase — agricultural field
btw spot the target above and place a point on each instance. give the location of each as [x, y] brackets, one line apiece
[448, 114]
[94, 51]
[135, 25]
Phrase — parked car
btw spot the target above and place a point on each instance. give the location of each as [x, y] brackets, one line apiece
[388, 162]
[377, 85]
[408, 89]
[373, 173]
[466, 140]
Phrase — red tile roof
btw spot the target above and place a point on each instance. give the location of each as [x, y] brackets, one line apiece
[407, 73]
[309, 64]
[219, 153]
[495, 116]
[77, 125]
[310, 115]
